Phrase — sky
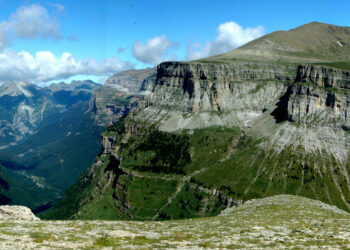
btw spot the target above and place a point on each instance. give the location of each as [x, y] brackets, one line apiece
[60, 40]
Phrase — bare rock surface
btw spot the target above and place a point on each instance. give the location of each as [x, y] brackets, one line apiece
[16, 213]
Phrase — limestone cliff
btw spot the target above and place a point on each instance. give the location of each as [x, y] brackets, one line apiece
[199, 95]
[310, 104]
[132, 81]
[217, 87]
[120, 94]
[324, 76]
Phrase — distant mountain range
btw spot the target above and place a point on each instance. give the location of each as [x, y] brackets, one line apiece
[51, 134]
[25, 108]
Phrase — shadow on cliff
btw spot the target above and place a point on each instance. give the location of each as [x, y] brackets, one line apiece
[280, 114]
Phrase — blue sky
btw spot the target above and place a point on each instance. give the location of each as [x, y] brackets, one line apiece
[47, 41]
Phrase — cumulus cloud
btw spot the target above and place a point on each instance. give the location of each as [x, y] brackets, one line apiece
[230, 35]
[154, 51]
[45, 66]
[33, 21]
[30, 22]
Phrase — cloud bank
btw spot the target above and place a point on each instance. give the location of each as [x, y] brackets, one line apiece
[230, 35]
[154, 51]
[45, 66]
[34, 22]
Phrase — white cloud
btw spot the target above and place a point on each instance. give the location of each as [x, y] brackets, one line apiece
[230, 35]
[45, 66]
[30, 22]
[33, 21]
[154, 51]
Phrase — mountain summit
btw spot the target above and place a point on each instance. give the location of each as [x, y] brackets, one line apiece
[312, 42]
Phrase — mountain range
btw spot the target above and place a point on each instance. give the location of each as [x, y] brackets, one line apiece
[185, 139]
[268, 118]
[51, 134]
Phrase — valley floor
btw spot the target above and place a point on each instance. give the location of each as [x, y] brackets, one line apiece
[273, 222]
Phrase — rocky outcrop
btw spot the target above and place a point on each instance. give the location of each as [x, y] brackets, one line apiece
[324, 76]
[121, 93]
[16, 213]
[132, 81]
[319, 96]
[107, 144]
[310, 104]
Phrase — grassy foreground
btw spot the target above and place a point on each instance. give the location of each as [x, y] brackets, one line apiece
[273, 222]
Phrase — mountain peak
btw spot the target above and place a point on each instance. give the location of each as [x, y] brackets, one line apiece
[15, 88]
[311, 42]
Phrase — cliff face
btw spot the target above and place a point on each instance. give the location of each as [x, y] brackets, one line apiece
[197, 95]
[196, 87]
[185, 93]
[132, 81]
[310, 104]
[192, 87]
[256, 97]
[324, 76]
[120, 94]
[320, 96]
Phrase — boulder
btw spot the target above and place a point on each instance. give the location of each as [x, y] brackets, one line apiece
[16, 213]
